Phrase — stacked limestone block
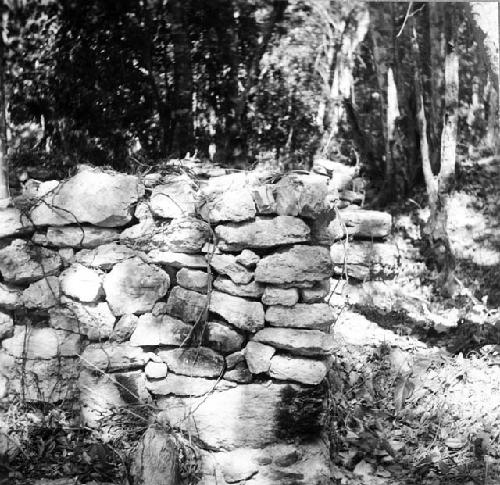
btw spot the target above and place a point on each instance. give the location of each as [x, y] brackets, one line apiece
[207, 304]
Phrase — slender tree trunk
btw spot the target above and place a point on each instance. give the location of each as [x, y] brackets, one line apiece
[4, 169]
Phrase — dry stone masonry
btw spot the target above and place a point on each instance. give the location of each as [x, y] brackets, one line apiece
[205, 299]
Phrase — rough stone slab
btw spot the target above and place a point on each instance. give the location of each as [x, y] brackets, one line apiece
[232, 205]
[22, 263]
[305, 371]
[141, 234]
[193, 362]
[76, 236]
[264, 198]
[187, 305]
[134, 286]
[156, 370]
[10, 298]
[316, 294]
[41, 343]
[223, 339]
[248, 258]
[365, 260]
[6, 325]
[185, 385]
[258, 357]
[95, 321]
[262, 233]
[234, 418]
[280, 296]
[124, 328]
[177, 260]
[94, 196]
[296, 264]
[250, 290]
[239, 373]
[299, 342]
[243, 314]
[226, 264]
[13, 223]
[81, 283]
[301, 194]
[160, 330]
[302, 315]
[193, 280]
[106, 256]
[111, 357]
[42, 294]
[186, 235]
[176, 198]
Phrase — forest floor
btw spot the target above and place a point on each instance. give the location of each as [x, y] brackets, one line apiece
[415, 395]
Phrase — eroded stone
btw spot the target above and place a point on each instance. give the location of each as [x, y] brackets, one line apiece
[243, 314]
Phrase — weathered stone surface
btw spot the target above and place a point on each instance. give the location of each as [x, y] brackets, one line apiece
[300, 194]
[76, 236]
[250, 290]
[193, 280]
[49, 380]
[124, 328]
[186, 235]
[176, 198]
[13, 223]
[160, 330]
[234, 359]
[316, 294]
[21, 262]
[244, 314]
[262, 233]
[6, 325]
[111, 357]
[159, 308]
[41, 343]
[102, 394]
[226, 264]
[42, 294]
[81, 283]
[185, 385]
[222, 338]
[280, 296]
[141, 234]
[134, 286]
[315, 315]
[365, 260]
[177, 260]
[248, 258]
[232, 181]
[300, 342]
[96, 321]
[229, 419]
[10, 298]
[239, 373]
[100, 198]
[258, 357]
[231, 205]
[187, 305]
[106, 256]
[156, 460]
[296, 264]
[193, 362]
[67, 256]
[156, 370]
[264, 197]
[305, 371]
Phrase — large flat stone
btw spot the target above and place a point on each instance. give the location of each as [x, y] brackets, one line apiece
[13, 223]
[106, 256]
[304, 371]
[192, 279]
[160, 330]
[22, 263]
[302, 315]
[187, 305]
[179, 385]
[177, 260]
[250, 290]
[262, 233]
[295, 264]
[184, 235]
[280, 296]
[76, 236]
[243, 314]
[134, 286]
[112, 357]
[81, 283]
[226, 264]
[299, 342]
[94, 196]
[175, 198]
[362, 223]
[193, 362]
[231, 205]
[42, 294]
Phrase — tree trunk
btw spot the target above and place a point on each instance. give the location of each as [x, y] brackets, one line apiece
[4, 169]
[182, 138]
